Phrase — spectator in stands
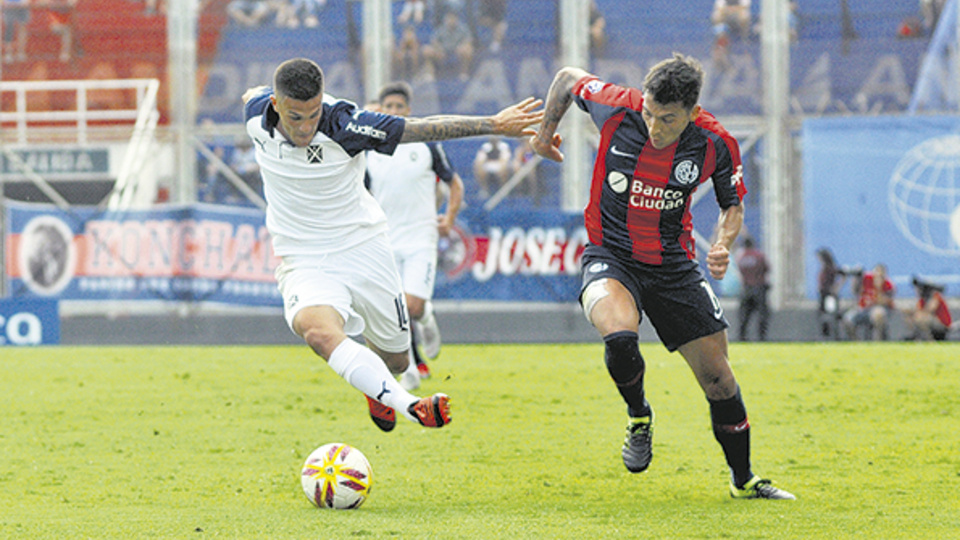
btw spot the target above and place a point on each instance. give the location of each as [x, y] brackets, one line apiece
[930, 11]
[152, 7]
[212, 187]
[930, 319]
[874, 306]
[830, 280]
[492, 14]
[752, 264]
[491, 165]
[407, 55]
[598, 30]
[60, 21]
[300, 12]
[730, 18]
[250, 13]
[440, 8]
[525, 159]
[793, 22]
[243, 161]
[451, 42]
[16, 17]
[412, 11]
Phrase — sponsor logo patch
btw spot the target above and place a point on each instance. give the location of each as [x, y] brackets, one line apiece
[597, 267]
[367, 131]
[618, 181]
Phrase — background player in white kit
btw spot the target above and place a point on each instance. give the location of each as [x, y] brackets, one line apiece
[337, 275]
[405, 184]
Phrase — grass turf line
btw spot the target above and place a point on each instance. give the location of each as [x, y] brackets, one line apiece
[173, 442]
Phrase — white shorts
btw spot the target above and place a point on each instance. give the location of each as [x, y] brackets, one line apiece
[418, 270]
[361, 283]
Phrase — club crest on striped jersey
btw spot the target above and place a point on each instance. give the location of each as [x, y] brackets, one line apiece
[686, 172]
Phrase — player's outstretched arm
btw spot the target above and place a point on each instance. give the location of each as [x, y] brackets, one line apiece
[514, 121]
[547, 141]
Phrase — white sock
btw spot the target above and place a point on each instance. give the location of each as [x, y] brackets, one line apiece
[366, 372]
[412, 372]
[427, 318]
[427, 311]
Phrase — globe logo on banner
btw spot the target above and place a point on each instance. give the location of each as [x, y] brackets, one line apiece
[924, 195]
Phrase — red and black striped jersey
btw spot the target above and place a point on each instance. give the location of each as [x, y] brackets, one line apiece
[640, 196]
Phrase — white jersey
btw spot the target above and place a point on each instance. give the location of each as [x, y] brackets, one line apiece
[316, 201]
[405, 185]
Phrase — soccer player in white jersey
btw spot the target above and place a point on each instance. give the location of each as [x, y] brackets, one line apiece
[337, 275]
[405, 184]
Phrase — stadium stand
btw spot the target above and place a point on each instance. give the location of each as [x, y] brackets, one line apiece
[114, 39]
[119, 39]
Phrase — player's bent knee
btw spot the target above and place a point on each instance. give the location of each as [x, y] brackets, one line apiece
[593, 293]
[397, 363]
[322, 341]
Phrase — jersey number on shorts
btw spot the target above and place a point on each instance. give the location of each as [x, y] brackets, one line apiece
[717, 309]
[402, 319]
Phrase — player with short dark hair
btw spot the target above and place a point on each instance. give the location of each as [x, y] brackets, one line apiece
[656, 148]
[398, 88]
[337, 275]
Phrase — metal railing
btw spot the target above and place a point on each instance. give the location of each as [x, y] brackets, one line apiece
[81, 115]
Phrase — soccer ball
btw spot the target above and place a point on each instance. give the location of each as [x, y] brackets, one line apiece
[336, 475]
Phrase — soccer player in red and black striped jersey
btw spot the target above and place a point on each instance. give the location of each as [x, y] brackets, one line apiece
[657, 146]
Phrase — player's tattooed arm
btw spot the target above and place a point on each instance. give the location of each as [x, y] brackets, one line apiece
[547, 141]
[441, 128]
[514, 121]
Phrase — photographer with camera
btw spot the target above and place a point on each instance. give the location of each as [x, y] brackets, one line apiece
[875, 303]
[830, 281]
[753, 267]
[930, 319]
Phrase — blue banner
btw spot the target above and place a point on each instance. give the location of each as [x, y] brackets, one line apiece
[205, 253]
[513, 255]
[180, 253]
[29, 321]
[884, 190]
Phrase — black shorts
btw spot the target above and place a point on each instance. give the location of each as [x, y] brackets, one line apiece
[677, 298]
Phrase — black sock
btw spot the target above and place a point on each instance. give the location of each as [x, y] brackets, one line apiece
[413, 348]
[626, 367]
[732, 430]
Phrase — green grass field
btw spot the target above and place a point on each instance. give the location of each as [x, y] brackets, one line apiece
[197, 442]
